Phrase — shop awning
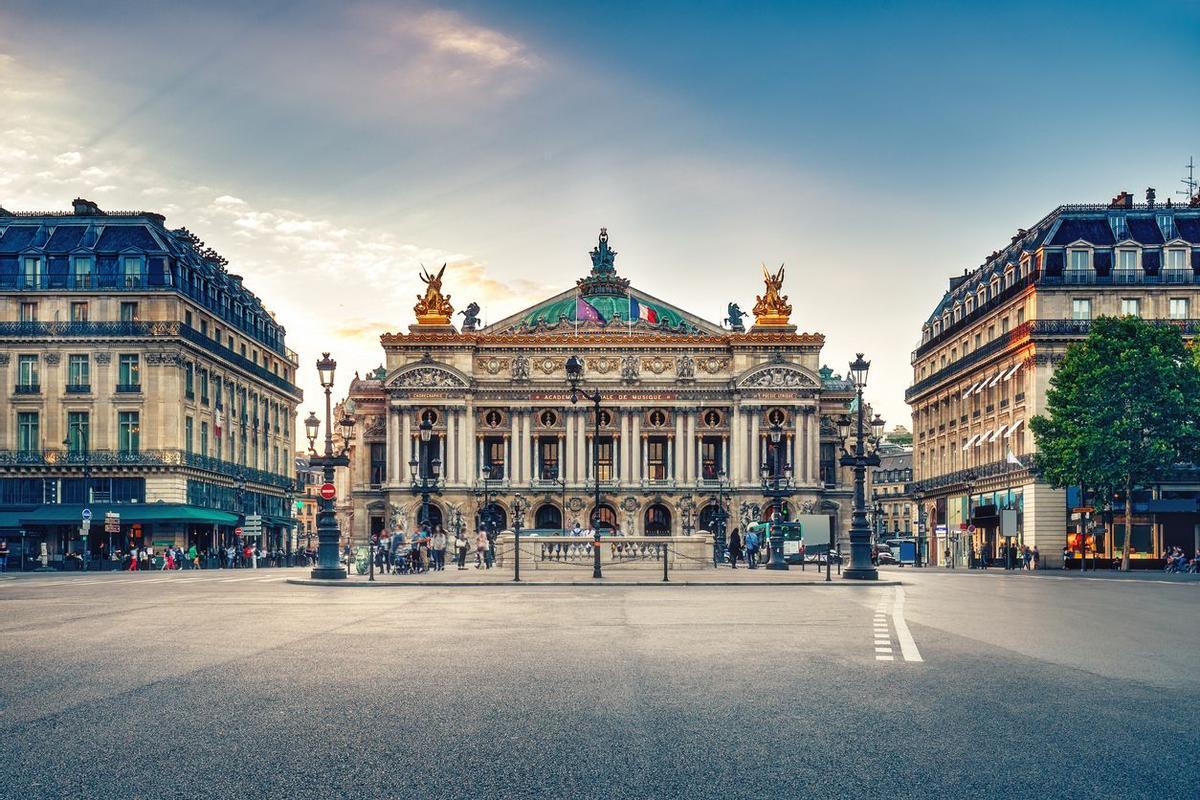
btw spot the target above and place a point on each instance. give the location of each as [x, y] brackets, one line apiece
[10, 519]
[1012, 371]
[995, 379]
[1013, 430]
[970, 441]
[72, 514]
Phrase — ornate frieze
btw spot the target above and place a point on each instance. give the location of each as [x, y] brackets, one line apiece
[781, 377]
[164, 358]
[52, 359]
[430, 378]
[602, 364]
[657, 364]
[520, 368]
[492, 365]
[103, 357]
[548, 364]
[713, 364]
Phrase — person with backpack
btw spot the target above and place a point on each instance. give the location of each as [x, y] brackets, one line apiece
[751, 549]
[460, 549]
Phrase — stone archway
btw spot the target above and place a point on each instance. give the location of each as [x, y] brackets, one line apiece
[606, 518]
[657, 520]
[548, 517]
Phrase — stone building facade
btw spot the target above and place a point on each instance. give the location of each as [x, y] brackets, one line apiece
[686, 418]
[988, 351]
[140, 377]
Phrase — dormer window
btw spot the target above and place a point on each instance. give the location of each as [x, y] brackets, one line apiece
[958, 313]
[982, 296]
[970, 304]
[131, 272]
[937, 328]
[946, 320]
[1166, 224]
[1127, 260]
[1079, 260]
[31, 272]
[81, 272]
[1120, 228]
[1176, 259]
[1009, 276]
[995, 286]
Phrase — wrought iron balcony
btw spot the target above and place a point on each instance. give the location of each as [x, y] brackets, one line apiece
[142, 458]
[28, 388]
[78, 388]
[129, 388]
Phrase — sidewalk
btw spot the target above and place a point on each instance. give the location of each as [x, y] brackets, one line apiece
[1150, 575]
[614, 575]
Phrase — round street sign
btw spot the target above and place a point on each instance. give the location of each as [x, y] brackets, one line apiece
[970, 529]
[237, 531]
[328, 492]
[87, 513]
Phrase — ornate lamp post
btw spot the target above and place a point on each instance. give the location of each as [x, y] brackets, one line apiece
[290, 499]
[918, 497]
[485, 511]
[519, 506]
[877, 516]
[862, 456]
[574, 376]
[777, 485]
[426, 473]
[969, 485]
[328, 534]
[720, 519]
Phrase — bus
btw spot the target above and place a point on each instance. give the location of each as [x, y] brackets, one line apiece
[793, 537]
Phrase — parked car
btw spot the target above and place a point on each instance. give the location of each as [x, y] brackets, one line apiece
[887, 557]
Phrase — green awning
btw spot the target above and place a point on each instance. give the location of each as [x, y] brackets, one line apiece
[10, 519]
[72, 514]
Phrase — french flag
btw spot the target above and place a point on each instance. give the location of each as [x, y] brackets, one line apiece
[218, 423]
[639, 311]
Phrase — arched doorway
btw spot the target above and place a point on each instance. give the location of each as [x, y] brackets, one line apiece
[435, 515]
[768, 510]
[496, 516]
[606, 518]
[548, 517]
[658, 520]
[708, 517]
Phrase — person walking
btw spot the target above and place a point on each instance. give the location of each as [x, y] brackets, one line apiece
[3, 555]
[460, 549]
[751, 549]
[1037, 558]
[481, 545]
[439, 549]
[735, 548]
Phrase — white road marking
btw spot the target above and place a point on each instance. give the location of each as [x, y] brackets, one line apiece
[884, 658]
[908, 647]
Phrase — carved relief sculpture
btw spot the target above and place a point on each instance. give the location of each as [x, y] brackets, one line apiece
[434, 308]
[772, 308]
[520, 368]
[685, 367]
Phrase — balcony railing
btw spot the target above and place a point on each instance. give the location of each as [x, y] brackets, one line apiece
[129, 388]
[962, 476]
[142, 458]
[28, 388]
[78, 388]
[140, 328]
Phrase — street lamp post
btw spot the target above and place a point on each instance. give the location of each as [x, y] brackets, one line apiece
[519, 506]
[574, 376]
[862, 456]
[879, 527]
[290, 499]
[82, 445]
[969, 485]
[919, 497]
[777, 485]
[328, 536]
[720, 519]
[426, 473]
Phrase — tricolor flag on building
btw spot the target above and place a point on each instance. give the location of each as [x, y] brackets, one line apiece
[639, 311]
[218, 421]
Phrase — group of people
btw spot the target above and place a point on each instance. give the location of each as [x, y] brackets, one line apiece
[748, 549]
[1177, 561]
[232, 556]
[425, 551]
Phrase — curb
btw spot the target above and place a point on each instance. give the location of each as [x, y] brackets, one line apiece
[346, 584]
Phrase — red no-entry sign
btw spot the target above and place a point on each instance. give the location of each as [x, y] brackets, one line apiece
[328, 492]
[237, 531]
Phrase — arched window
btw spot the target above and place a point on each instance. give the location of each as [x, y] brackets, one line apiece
[492, 517]
[658, 520]
[548, 517]
[708, 517]
[432, 515]
[606, 518]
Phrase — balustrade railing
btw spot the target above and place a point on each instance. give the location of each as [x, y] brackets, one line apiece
[141, 458]
[549, 552]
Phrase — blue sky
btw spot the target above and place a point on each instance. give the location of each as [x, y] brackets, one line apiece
[328, 148]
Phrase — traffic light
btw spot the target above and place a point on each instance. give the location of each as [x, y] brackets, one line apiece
[783, 512]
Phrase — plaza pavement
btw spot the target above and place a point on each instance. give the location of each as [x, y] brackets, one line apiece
[240, 684]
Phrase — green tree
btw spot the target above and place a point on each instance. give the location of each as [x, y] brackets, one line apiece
[1121, 409]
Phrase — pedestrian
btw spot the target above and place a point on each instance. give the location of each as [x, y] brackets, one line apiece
[168, 560]
[439, 549]
[460, 549]
[3, 554]
[751, 549]
[490, 554]
[481, 545]
[577, 530]
[735, 548]
[143, 559]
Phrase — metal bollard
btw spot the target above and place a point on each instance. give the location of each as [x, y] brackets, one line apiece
[663, 547]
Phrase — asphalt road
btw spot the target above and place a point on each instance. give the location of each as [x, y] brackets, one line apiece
[238, 684]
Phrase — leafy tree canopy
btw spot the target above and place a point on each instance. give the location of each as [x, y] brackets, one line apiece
[1122, 406]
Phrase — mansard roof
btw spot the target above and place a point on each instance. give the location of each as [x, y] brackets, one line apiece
[613, 300]
[1094, 225]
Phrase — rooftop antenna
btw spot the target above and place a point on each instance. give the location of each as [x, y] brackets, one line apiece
[1190, 181]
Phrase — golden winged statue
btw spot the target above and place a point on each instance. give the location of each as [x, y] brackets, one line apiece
[434, 308]
[772, 308]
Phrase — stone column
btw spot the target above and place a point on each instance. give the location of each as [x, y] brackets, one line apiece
[562, 456]
[514, 447]
[693, 449]
[470, 448]
[754, 450]
[624, 445]
[680, 449]
[736, 445]
[406, 450]
[449, 447]
[637, 454]
[581, 463]
[800, 447]
[393, 445]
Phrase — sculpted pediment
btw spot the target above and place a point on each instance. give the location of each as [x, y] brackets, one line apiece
[778, 376]
[428, 376]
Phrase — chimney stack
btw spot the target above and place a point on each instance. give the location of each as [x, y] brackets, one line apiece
[1150, 197]
[85, 208]
[1123, 200]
